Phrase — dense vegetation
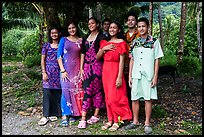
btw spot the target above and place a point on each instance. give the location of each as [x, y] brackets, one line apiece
[21, 42]
[25, 43]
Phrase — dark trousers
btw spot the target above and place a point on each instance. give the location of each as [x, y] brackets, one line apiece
[52, 102]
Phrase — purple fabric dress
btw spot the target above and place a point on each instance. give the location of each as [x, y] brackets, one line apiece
[72, 92]
[51, 87]
[52, 67]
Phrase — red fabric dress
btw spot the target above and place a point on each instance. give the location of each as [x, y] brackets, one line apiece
[116, 98]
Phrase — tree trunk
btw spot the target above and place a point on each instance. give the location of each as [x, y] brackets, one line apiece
[74, 12]
[198, 31]
[98, 11]
[182, 31]
[160, 26]
[150, 17]
[51, 15]
[42, 26]
[90, 12]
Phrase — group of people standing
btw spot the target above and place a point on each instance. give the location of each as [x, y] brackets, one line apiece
[106, 69]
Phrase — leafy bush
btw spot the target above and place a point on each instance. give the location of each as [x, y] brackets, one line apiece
[190, 66]
[168, 59]
[158, 112]
[10, 42]
[20, 42]
[29, 45]
[31, 61]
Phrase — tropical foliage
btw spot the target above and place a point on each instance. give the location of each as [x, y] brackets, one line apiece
[25, 23]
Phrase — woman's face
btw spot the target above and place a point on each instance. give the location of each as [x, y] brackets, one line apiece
[54, 34]
[113, 29]
[92, 25]
[72, 29]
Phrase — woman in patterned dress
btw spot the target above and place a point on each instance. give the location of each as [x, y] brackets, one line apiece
[91, 72]
[69, 61]
[51, 79]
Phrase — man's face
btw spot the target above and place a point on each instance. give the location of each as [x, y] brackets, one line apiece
[106, 24]
[142, 28]
[131, 22]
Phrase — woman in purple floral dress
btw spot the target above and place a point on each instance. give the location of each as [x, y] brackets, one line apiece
[51, 79]
[69, 61]
[91, 73]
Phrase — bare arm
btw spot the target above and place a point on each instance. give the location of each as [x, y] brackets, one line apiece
[130, 72]
[100, 53]
[43, 66]
[156, 69]
[64, 74]
[60, 64]
[43, 63]
[120, 73]
[81, 66]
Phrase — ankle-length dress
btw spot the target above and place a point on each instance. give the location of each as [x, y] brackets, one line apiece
[92, 84]
[115, 98]
[72, 92]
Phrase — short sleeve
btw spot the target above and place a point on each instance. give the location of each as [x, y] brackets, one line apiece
[83, 48]
[60, 48]
[122, 48]
[130, 53]
[102, 44]
[158, 53]
[45, 48]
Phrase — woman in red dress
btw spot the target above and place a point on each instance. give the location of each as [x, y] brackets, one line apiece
[113, 51]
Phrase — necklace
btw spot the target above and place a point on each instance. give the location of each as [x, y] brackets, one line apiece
[92, 42]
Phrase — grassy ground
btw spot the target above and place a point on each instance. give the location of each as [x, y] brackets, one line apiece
[21, 89]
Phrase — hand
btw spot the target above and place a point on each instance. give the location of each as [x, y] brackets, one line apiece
[45, 76]
[154, 82]
[118, 82]
[109, 47]
[65, 77]
[130, 82]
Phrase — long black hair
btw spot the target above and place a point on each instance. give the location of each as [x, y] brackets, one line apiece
[121, 34]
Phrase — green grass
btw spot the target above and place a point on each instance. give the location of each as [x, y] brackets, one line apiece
[8, 69]
[192, 128]
[11, 59]
[23, 84]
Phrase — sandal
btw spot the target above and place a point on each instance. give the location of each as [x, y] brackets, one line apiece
[43, 121]
[64, 123]
[132, 126]
[93, 120]
[106, 126]
[52, 118]
[82, 124]
[72, 120]
[147, 129]
[114, 127]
